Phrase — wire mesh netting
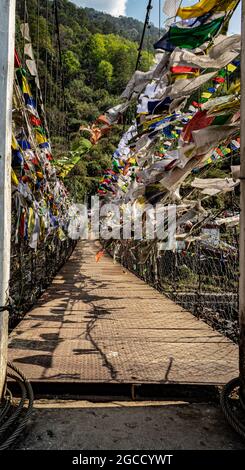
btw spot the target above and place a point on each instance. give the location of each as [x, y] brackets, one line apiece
[203, 279]
[33, 270]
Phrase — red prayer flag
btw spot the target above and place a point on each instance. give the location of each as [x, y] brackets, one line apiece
[182, 69]
[196, 104]
[199, 121]
[99, 255]
[35, 121]
[22, 225]
[219, 80]
[17, 62]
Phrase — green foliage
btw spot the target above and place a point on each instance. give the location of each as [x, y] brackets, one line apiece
[81, 146]
[105, 72]
[114, 60]
[71, 64]
[128, 28]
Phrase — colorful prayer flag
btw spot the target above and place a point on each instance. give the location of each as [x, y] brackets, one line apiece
[188, 38]
[205, 6]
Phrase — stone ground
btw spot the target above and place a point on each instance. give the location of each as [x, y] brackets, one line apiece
[83, 425]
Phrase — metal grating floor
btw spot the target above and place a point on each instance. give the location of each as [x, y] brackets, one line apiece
[98, 323]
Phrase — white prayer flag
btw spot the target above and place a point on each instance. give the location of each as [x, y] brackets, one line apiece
[170, 7]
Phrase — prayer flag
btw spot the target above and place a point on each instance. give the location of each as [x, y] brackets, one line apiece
[188, 38]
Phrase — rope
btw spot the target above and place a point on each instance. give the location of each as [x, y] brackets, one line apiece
[13, 425]
[50, 121]
[57, 22]
[38, 42]
[46, 59]
[228, 409]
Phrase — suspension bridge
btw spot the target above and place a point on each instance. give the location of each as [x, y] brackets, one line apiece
[99, 324]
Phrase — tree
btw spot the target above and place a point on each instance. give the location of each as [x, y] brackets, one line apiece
[105, 73]
[71, 64]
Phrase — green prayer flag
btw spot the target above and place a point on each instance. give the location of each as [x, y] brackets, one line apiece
[189, 38]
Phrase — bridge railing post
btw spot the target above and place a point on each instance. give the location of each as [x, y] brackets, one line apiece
[7, 40]
[242, 219]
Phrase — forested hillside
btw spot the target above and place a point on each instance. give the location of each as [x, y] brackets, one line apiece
[130, 28]
[99, 54]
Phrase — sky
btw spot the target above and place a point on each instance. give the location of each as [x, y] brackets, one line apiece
[137, 9]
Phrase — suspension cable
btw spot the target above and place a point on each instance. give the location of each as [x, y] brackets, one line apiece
[59, 44]
[234, 409]
[146, 24]
[61, 64]
[160, 17]
[38, 43]
[46, 57]
[50, 121]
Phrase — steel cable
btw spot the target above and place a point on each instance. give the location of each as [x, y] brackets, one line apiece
[14, 424]
[228, 409]
[146, 24]
[7, 404]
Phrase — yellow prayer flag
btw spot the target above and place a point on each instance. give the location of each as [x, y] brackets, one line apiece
[14, 178]
[25, 86]
[181, 76]
[206, 94]
[231, 68]
[40, 138]
[205, 6]
[15, 145]
[61, 234]
[141, 201]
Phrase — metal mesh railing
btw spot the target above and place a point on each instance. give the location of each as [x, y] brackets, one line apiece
[33, 270]
[203, 280]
